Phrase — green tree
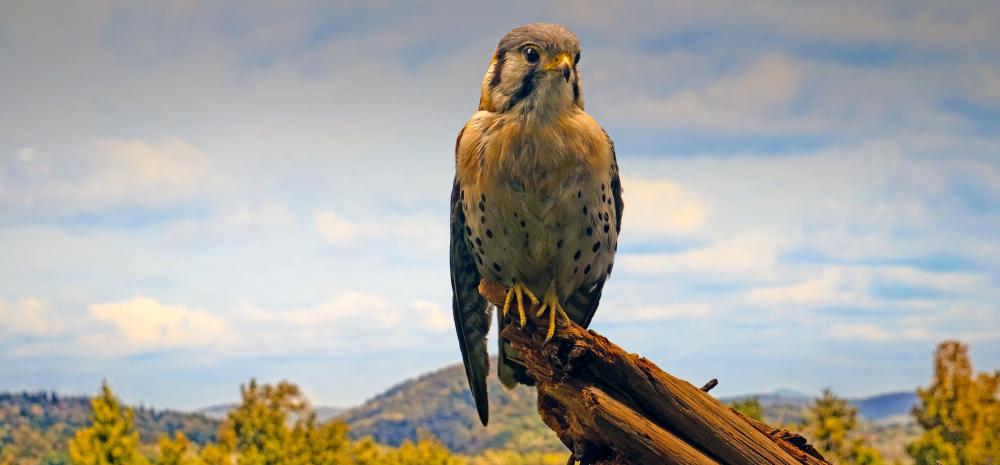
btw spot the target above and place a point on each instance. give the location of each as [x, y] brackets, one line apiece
[111, 439]
[426, 451]
[831, 420]
[274, 425]
[749, 407]
[959, 412]
[176, 451]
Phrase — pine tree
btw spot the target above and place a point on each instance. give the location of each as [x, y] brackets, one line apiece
[831, 422]
[175, 451]
[111, 439]
[959, 412]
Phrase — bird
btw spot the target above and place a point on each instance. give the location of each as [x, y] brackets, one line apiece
[536, 203]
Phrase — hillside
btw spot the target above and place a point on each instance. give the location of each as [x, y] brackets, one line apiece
[42, 421]
[220, 411]
[440, 403]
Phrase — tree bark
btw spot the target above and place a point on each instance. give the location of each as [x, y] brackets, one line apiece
[612, 407]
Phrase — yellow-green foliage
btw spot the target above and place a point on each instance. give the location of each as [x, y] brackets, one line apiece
[508, 457]
[749, 407]
[831, 422]
[111, 439]
[959, 412]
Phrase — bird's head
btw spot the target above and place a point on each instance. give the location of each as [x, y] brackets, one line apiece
[534, 73]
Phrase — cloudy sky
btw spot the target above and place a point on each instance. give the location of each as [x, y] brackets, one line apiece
[192, 194]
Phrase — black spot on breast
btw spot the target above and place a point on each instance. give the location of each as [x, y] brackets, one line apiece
[482, 219]
[575, 269]
[489, 232]
[482, 206]
[590, 231]
[479, 242]
[515, 214]
[468, 231]
[607, 217]
[584, 210]
[607, 228]
[597, 246]
[579, 194]
[496, 267]
[463, 192]
[586, 270]
[523, 224]
[482, 198]
[604, 197]
[576, 256]
[602, 187]
[559, 244]
[480, 258]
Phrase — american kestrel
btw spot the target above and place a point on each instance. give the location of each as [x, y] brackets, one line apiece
[536, 204]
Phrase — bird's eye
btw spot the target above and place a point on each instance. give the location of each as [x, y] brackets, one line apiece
[531, 55]
[577, 58]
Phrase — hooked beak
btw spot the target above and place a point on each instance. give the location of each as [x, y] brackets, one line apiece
[562, 64]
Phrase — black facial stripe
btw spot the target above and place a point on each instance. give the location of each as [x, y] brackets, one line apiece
[527, 86]
[497, 68]
[576, 88]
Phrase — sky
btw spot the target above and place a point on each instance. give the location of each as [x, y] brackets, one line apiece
[196, 193]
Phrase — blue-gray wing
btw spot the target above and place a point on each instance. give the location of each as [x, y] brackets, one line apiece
[588, 296]
[472, 317]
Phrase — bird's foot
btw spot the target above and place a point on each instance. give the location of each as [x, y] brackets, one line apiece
[550, 302]
[519, 291]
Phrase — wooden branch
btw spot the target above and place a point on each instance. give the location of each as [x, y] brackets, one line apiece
[611, 407]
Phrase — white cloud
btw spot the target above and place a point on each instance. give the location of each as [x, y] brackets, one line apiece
[29, 316]
[142, 323]
[681, 311]
[833, 286]
[336, 230]
[413, 234]
[745, 254]
[433, 316]
[659, 208]
[26, 154]
[751, 99]
[107, 174]
[351, 320]
[871, 333]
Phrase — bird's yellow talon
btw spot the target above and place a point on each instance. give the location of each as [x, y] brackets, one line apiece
[551, 303]
[519, 290]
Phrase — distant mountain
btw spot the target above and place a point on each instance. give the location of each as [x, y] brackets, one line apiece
[220, 411]
[61, 415]
[884, 407]
[440, 403]
[878, 408]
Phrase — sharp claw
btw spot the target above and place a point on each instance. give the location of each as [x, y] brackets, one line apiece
[541, 310]
[552, 324]
[506, 302]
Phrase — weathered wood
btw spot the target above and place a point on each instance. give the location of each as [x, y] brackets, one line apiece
[613, 407]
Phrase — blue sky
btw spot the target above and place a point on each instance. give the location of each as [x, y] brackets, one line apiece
[194, 194]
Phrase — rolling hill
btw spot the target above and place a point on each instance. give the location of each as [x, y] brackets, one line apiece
[440, 403]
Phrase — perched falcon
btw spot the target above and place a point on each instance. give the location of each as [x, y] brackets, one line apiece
[536, 204]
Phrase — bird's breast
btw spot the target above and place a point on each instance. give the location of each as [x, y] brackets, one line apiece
[538, 207]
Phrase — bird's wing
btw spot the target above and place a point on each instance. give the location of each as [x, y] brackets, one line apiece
[586, 298]
[472, 318]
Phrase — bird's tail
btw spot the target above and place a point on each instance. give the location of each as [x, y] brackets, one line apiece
[510, 373]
